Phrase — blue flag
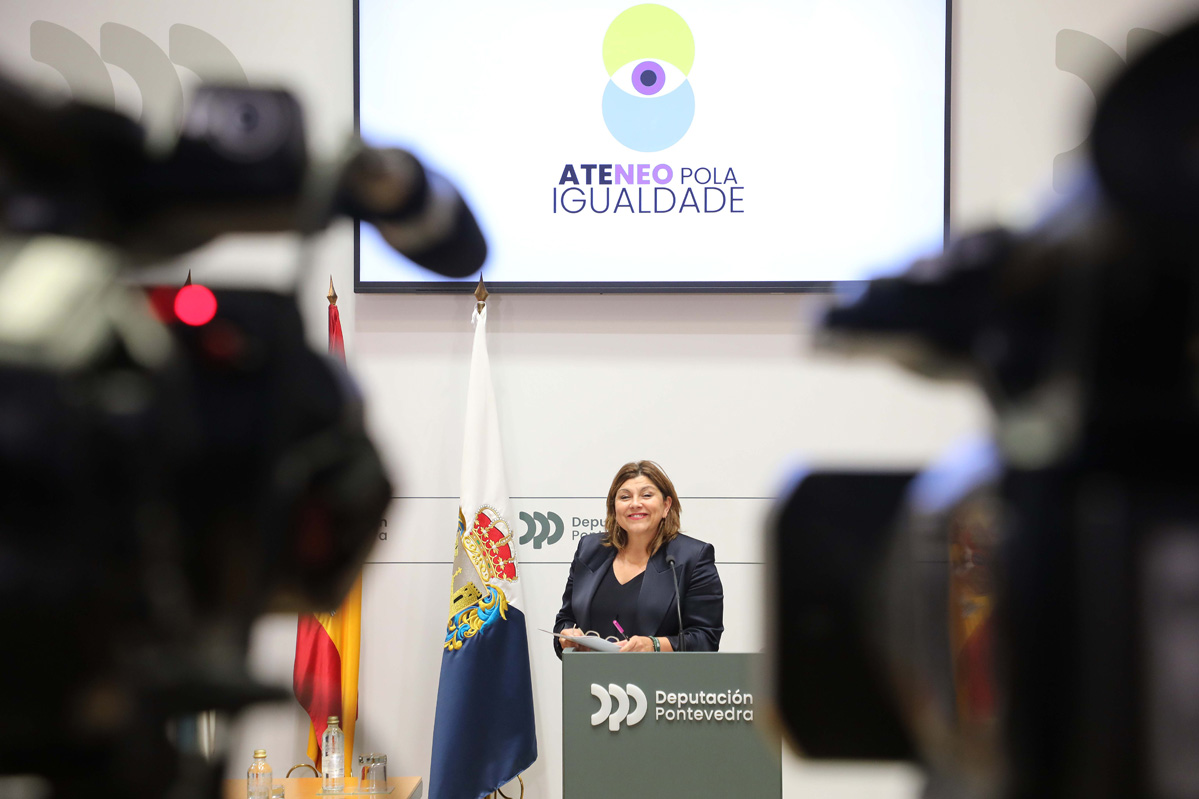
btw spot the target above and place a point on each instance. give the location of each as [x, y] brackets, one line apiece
[483, 734]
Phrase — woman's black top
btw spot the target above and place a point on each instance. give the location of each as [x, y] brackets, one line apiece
[614, 601]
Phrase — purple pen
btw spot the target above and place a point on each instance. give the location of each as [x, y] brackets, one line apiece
[616, 624]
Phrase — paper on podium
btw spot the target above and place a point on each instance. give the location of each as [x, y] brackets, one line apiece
[588, 641]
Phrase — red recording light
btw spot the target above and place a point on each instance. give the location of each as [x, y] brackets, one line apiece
[195, 305]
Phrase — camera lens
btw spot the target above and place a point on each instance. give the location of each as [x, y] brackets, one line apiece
[241, 124]
[248, 118]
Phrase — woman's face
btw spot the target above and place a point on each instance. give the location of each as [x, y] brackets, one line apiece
[640, 506]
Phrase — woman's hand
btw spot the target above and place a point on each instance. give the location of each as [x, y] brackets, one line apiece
[568, 631]
[638, 643]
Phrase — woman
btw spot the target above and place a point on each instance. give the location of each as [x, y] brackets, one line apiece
[623, 576]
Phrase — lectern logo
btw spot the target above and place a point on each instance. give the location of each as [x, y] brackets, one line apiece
[623, 710]
[648, 103]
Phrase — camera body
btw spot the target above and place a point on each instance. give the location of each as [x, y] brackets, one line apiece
[1021, 618]
[165, 485]
[167, 480]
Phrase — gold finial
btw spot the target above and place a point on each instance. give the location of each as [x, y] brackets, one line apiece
[332, 294]
[188, 282]
[481, 294]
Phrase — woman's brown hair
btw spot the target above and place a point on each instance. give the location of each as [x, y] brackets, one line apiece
[614, 534]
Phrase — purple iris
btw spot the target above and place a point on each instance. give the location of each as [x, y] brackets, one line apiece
[649, 78]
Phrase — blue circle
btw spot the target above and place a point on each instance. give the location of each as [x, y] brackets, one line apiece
[648, 124]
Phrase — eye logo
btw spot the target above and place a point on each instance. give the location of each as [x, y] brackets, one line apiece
[648, 102]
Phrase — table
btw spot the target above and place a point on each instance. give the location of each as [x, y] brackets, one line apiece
[306, 788]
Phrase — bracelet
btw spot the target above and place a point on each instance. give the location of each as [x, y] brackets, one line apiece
[657, 646]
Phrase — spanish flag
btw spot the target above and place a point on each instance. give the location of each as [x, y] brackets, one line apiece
[326, 671]
[325, 678]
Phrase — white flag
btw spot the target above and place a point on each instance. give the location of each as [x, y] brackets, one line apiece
[486, 551]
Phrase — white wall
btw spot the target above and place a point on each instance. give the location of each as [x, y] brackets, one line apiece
[722, 390]
[1013, 110]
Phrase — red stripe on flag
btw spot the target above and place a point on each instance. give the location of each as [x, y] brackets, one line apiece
[317, 676]
[337, 345]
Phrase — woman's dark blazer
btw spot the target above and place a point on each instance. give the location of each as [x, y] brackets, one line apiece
[699, 587]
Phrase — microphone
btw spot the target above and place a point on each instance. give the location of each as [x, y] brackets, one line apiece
[417, 211]
[678, 602]
[240, 164]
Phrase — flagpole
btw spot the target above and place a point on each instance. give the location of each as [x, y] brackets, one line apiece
[481, 295]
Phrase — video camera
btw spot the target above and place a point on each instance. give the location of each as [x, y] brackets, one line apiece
[1023, 619]
[165, 483]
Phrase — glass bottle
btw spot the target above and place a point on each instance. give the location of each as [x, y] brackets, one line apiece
[333, 765]
[258, 778]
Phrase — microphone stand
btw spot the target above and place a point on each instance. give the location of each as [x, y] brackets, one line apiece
[678, 601]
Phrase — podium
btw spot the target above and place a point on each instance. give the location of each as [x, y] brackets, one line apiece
[653, 725]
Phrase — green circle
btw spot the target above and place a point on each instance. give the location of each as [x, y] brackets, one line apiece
[648, 31]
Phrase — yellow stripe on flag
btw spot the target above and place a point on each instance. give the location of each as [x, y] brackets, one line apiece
[345, 631]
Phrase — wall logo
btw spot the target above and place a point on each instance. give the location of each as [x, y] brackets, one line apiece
[623, 697]
[1094, 61]
[152, 69]
[538, 527]
[648, 102]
